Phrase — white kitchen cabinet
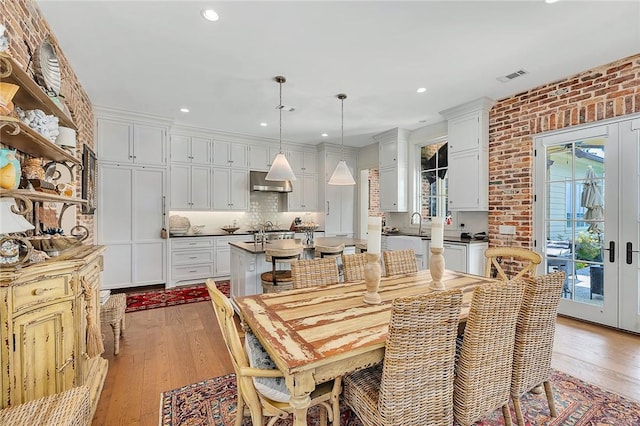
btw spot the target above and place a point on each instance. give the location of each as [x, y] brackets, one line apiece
[246, 269]
[339, 201]
[190, 149]
[190, 187]
[223, 254]
[303, 162]
[393, 162]
[192, 259]
[462, 257]
[468, 155]
[230, 189]
[230, 154]
[304, 196]
[131, 203]
[261, 156]
[127, 142]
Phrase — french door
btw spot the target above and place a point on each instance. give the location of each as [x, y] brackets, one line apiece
[587, 209]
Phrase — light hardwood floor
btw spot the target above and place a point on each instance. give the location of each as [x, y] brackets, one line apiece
[166, 348]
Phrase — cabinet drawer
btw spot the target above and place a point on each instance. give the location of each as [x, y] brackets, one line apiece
[190, 257]
[37, 292]
[191, 272]
[224, 241]
[189, 243]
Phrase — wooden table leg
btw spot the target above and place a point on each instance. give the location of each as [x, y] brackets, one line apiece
[300, 385]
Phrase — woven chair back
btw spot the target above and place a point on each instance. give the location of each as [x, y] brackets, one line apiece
[535, 330]
[314, 272]
[398, 262]
[483, 373]
[500, 257]
[353, 266]
[418, 369]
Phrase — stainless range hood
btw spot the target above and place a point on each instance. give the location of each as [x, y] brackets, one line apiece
[259, 183]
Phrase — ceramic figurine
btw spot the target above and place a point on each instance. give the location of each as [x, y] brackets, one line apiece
[9, 169]
[4, 39]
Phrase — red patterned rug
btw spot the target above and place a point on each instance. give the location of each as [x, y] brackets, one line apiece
[213, 403]
[175, 296]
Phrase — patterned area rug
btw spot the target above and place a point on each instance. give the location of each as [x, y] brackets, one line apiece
[175, 296]
[213, 403]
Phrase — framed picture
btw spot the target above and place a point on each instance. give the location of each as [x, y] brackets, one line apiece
[89, 171]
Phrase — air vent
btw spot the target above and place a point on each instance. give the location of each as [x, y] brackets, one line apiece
[511, 76]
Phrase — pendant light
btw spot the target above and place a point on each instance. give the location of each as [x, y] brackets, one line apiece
[280, 168]
[341, 175]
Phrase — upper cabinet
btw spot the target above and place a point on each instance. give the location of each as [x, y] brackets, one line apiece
[128, 142]
[230, 154]
[190, 149]
[261, 156]
[468, 139]
[393, 155]
[303, 162]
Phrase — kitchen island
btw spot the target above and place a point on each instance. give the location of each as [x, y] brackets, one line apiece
[248, 260]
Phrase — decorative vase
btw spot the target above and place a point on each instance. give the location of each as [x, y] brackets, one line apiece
[7, 92]
[436, 268]
[9, 169]
[33, 169]
[372, 273]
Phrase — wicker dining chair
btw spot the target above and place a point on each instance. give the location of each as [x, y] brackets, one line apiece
[398, 262]
[251, 402]
[484, 368]
[497, 257]
[414, 384]
[535, 330]
[314, 272]
[353, 266]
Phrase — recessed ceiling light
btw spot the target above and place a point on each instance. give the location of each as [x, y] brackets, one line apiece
[324, 135]
[264, 124]
[421, 90]
[210, 15]
[184, 109]
[550, 1]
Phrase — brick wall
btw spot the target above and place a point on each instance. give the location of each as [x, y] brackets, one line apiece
[605, 92]
[374, 194]
[26, 26]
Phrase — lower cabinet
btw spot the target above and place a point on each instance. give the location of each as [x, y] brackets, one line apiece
[44, 328]
[246, 269]
[194, 259]
[463, 257]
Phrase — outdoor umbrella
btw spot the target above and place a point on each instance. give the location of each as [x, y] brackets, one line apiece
[593, 201]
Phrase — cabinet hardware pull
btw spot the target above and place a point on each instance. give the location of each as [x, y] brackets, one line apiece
[66, 363]
[39, 291]
[192, 272]
[193, 257]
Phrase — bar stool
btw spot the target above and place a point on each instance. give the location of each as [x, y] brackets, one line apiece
[335, 252]
[112, 313]
[279, 279]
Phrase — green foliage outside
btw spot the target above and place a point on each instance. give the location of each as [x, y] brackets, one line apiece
[588, 247]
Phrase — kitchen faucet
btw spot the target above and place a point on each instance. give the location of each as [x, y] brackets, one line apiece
[268, 225]
[420, 223]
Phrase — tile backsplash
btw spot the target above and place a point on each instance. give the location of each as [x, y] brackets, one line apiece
[263, 206]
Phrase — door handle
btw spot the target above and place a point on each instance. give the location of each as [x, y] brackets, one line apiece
[630, 252]
[612, 251]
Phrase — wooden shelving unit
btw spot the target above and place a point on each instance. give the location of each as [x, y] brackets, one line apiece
[27, 140]
[37, 196]
[30, 95]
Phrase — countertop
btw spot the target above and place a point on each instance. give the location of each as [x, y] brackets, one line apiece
[446, 238]
[293, 243]
[226, 234]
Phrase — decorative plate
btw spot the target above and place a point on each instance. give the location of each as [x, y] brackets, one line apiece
[47, 67]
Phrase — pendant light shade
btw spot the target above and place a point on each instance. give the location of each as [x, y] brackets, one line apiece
[280, 168]
[342, 175]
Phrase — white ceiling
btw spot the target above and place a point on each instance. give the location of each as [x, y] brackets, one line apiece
[157, 56]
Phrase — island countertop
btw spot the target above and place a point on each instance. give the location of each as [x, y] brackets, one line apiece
[293, 243]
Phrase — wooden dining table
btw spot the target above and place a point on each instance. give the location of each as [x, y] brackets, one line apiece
[317, 334]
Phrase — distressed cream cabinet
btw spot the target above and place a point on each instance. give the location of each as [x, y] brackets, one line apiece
[44, 317]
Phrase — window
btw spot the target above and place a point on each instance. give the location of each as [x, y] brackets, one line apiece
[433, 183]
